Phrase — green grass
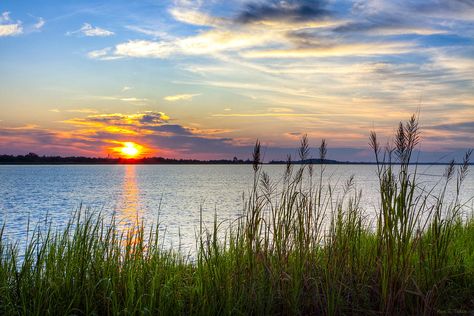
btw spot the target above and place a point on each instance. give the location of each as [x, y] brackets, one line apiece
[298, 249]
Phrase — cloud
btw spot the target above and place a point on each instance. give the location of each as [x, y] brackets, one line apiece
[23, 139]
[355, 49]
[181, 97]
[5, 17]
[195, 17]
[7, 27]
[170, 140]
[418, 11]
[152, 118]
[464, 127]
[290, 10]
[92, 31]
[209, 42]
[456, 9]
[386, 18]
[281, 110]
[148, 31]
[132, 99]
[386, 27]
[172, 129]
[102, 54]
[285, 29]
[206, 43]
[41, 22]
[144, 49]
[97, 134]
[223, 36]
[86, 111]
[123, 99]
[153, 130]
[89, 30]
[148, 118]
[222, 40]
[270, 114]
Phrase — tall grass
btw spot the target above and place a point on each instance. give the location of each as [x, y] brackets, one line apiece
[299, 248]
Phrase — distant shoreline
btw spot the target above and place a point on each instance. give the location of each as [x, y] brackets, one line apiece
[3, 163]
[34, 159]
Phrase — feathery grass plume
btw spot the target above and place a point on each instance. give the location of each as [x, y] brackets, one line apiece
[288, 169]
[323, 150]
[304, 148]
[256, 156]
[266, 186]
[463, 170]
[401, 143]
[449, 171]
[374, 144]
[397, 217]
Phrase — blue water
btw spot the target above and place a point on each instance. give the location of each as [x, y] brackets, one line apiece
[172, 194]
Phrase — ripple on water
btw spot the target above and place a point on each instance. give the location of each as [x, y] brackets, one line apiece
[173, 194]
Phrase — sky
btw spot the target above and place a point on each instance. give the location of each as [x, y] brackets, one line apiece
[205, 79]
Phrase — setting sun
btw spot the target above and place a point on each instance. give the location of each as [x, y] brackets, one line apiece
[130, 149]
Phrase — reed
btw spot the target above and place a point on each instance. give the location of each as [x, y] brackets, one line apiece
[298, 249]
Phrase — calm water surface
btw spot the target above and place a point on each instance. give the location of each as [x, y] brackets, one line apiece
[174, 194]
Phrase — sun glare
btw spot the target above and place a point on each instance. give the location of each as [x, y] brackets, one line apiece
[130, 150]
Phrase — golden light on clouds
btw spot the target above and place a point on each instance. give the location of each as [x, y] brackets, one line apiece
[265, 69]
[181, 97]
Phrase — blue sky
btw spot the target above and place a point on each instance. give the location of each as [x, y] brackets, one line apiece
[205, 79]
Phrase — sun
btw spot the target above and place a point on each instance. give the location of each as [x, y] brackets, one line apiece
[130, 149]
[127, 149]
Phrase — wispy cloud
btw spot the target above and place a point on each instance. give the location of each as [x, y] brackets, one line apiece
[181, 97]
[88, 30]
[144, 49]
[39, 25]
[465, 127]
[276, 29]
[148, 118]
[195, 17]
[102, 54]
[356, 49]
[9, 27]
[5, 17]
[295, 10]
[123, 99]
[149, 31]
[270, 114]
[84, 111]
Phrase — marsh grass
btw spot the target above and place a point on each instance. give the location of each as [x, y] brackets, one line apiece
[298, 249]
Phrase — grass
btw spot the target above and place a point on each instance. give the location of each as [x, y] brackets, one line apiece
[298, 249]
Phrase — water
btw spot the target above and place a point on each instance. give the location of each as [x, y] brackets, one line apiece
[172, 194]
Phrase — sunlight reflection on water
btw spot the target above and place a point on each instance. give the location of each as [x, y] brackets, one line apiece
[130, 213]
[170, 194]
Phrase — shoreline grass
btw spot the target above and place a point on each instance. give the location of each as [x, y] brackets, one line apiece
[298, 249]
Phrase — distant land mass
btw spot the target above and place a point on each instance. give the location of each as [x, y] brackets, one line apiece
[34, 159]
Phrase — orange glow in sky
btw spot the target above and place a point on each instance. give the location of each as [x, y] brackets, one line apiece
[254, 70]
